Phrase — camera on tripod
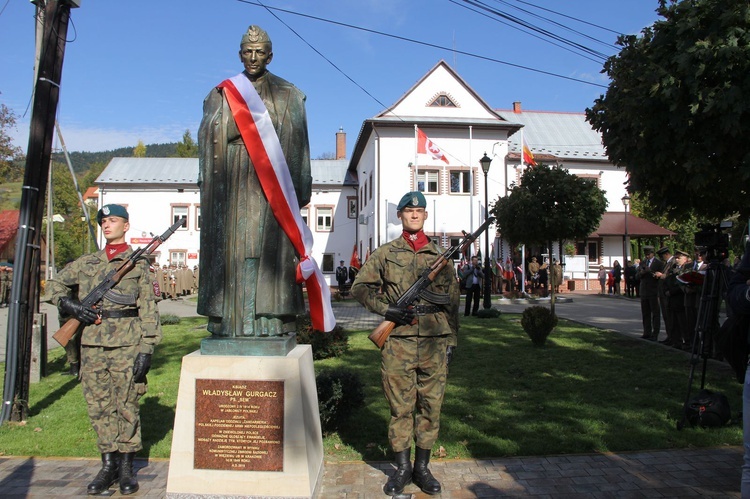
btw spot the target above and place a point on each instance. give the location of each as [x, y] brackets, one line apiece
[714, 240]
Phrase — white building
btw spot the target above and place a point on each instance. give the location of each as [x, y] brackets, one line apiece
[463, 128]
[159, 191]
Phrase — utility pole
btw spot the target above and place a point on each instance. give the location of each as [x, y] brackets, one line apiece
[24, 299]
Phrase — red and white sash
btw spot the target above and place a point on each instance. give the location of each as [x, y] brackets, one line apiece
[264, 148]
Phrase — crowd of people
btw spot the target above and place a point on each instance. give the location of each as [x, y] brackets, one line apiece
[669, 293]
[176, 280]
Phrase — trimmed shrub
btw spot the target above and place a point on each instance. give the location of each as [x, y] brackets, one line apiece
[325, 345]
[538, 322]
[169, 319]
[340, 393]
[488, 313]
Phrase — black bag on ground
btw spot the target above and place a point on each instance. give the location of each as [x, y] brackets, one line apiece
[708, 409]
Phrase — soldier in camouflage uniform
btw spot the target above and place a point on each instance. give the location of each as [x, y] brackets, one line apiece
[415, 358]
[116, 352]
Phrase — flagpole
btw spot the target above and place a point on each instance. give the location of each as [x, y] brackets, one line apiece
[471, 182]
[416, 155]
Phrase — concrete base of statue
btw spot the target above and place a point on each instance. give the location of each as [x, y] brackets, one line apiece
[246, 426]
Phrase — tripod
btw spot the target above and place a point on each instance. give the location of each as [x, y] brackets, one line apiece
[714, 286]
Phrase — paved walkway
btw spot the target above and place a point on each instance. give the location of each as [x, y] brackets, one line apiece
[671, 473]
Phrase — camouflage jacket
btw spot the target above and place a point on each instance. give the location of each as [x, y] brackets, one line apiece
[87, 272]
[391, 270]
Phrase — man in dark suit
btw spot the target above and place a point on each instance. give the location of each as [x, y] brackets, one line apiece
[661, 290]
[648, 291]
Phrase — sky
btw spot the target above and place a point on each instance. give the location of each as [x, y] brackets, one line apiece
[139, 70]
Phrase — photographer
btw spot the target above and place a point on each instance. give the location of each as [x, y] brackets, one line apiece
[472, 277]
[739, 302]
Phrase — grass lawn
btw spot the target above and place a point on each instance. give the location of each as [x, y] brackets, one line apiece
[586, 391]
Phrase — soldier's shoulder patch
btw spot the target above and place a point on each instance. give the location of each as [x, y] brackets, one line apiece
[157, 288]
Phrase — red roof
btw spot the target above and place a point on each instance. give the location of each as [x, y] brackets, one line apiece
[613, 224]
[91, 193]
[8, 227]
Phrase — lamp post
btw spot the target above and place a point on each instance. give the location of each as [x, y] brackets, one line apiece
[625, 242]
[485, 162]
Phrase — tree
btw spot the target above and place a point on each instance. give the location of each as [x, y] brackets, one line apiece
[676, 114]
[11, 168]
[549, 205]
[188, 148]
[140, 150]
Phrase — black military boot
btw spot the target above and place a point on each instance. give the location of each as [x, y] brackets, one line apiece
[107, 475]
[422, 476]
[128, 481]
[75, 369]
[402, 477]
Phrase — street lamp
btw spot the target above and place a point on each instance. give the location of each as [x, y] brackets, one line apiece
[625, 242]
[485, 162]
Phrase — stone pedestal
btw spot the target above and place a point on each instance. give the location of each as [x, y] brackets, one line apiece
[254, 422]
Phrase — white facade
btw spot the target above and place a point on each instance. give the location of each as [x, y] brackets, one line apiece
[388, 165]
[159, 191]
[464, 128]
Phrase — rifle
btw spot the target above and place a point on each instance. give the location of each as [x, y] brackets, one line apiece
[384, 329]
[68, 330]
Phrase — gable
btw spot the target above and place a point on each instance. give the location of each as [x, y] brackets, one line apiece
[441, 93]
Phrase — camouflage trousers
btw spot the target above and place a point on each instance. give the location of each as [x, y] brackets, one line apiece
[112, 397]
[414, 376]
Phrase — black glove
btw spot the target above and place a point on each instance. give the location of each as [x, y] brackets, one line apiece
[449, 353]
[400, 315]
[74, 308]
[141, 367]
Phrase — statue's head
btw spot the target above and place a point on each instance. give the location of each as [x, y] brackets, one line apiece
[256, 51]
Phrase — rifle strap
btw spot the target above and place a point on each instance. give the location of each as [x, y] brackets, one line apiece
[435, 298]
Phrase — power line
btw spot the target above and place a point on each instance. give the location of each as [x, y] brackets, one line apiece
[569, 17]
[567, 28]
[427, 44]
[533, 28]
[598, 61]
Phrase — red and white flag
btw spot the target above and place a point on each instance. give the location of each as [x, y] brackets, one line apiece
[263, 146]
[354, 262]
[426, 146]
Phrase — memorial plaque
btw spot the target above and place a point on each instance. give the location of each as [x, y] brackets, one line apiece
[239, 425]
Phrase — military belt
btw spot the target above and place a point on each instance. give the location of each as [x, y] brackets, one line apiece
[427, 309]
[118, 314]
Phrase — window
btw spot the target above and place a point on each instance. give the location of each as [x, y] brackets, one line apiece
[460, 182]
[327, 263]
[176, 257]
[427, 182]
[197, 218]
[305, 213]
[369, 198]
[364, 194]
[593, 252]
[442, 100]
[179, 212]
[324, 217]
